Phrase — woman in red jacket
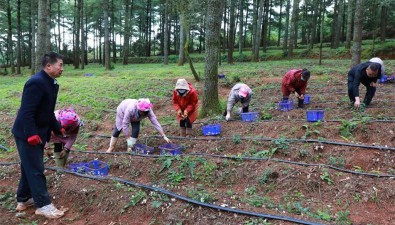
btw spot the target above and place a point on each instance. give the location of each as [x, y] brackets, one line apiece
[295, 81]
[185, 101]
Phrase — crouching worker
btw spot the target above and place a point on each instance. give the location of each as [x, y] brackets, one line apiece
[240, 92]
[185, 102]
[132, 111]
[295, 81]
[367, 74]
[70, 122]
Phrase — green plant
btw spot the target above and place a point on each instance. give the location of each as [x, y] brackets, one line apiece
[200, 194]
[348, 127]
[236, 139]
[308, 131]
[256, 222]
[175, 177]
[267, 175]
[326, 177]
[266, 115]
[337, 161]
[250, 190]
[281, 143]
[357, 197]
[134, 199]
[342, 218]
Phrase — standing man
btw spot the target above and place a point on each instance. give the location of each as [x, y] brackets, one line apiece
[32, 129]
[295, 81]
[366, 74]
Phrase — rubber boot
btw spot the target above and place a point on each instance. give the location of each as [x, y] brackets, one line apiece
[63, 160]
[189, 132]
[132, 143]
[300, 103]
[183, 132]
[58, 161]
[113, 142]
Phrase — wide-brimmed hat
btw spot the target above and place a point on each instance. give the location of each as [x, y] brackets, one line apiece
[182, 84]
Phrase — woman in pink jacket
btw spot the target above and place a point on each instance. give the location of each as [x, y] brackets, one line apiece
[185, 102]
[131, 112]
[71, 123]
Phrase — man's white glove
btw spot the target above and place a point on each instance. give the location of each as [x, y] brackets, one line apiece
[166, 139]
[227, 116]
[130, 142]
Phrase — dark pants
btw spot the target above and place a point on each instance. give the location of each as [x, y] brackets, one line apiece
[32, 183]
[185, 123]
[370, 91]
[300, 101]
[58, 147]
[135, 130]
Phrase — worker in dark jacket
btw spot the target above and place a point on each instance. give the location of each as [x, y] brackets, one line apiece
[32, 129]
[295, 81]
[366, 74]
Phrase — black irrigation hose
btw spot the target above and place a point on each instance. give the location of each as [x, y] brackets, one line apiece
[189, 200]
[4, 148]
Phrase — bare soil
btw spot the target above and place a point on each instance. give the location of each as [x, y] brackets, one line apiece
[275, 185]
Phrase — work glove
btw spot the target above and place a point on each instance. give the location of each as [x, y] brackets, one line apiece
[166, 139]
[227, 116]
[131, 142]
[34, 140]
[297, 95]
[179, 112]
[185, 114]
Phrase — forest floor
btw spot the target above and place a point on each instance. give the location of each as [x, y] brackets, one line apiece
[280, 165]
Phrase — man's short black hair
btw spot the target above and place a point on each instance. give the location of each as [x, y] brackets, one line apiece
[374, 66]
[51, 58]
[305, 74]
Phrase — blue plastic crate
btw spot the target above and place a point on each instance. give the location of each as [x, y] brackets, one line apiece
[249, 117]
[383, 79]
[77, 167]
[315, 115]
[143, 149]
[97, 168]
[286, 105]
[221, 76]
[306, 100]
[170, 149]
[212, 129]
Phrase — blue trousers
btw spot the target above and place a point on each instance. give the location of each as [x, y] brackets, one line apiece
[32, 183]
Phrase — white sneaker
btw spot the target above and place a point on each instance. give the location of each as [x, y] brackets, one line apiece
[50, 211]
[20, 206]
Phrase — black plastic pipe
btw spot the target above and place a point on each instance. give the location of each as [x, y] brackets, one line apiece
[189, 200]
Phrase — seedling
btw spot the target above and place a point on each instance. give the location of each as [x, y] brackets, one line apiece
[326, 177]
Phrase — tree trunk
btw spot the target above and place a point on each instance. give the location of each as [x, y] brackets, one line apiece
[181, 54]
[350, 10]
[286, 28]
[279, 23]
[258, 33]
[294, 22]
[383, 22]
[166, 35]
[42, 30]
[18, 43]
[322, 30]
[335, 23]
[232, 28]
[9, 38]
[107, 63]
[112, 29]
[224, 40]
[82, 35]
[241, 26]
[77, 23]
[313, 32]
[358, 26]
[126, 37]
[265, 26]
[33, 36]
[210, 103]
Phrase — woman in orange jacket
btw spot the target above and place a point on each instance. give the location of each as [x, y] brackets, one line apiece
[185, 102]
